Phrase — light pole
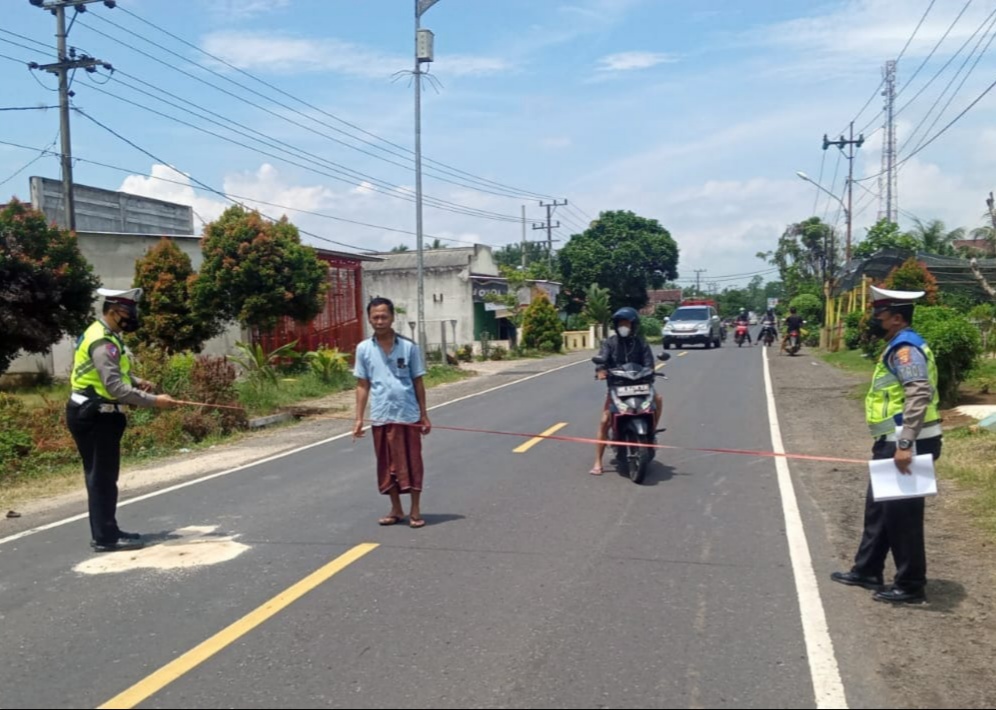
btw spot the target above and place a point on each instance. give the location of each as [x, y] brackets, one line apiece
[423, 54]
[847, 212]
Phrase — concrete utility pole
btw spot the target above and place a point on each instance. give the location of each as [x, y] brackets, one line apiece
[67, 61]
[851, 144]
[550, 226]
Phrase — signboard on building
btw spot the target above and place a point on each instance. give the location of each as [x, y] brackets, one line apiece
[484, 286]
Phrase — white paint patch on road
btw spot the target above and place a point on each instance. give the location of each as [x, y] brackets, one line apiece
[194, 546]
[827, 684]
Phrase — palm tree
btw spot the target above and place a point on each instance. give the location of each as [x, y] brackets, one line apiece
[933, 237]
[597, 307]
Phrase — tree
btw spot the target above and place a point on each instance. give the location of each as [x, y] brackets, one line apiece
[541, 325]
[400, 248]
[256, 271]
[511, 254]
[810, 307]
[597, 306]
[934, 238]
[885, 235]
[169, 319]
[807, 254]
[626, 253]
[46, 285]
[437, 243]
[911, 275]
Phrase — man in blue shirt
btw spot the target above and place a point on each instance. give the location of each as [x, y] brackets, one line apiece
[389, 375]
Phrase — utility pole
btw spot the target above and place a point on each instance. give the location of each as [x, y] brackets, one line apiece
[67, 61]
[550, 226]
[698, 280]
[424, 52]
[523, 237]
[850, 144]
[991, 204]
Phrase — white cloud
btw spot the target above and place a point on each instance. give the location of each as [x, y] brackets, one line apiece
[292, 55]
[556, 142]
[245, 9]
[628, 61]
[850, 34]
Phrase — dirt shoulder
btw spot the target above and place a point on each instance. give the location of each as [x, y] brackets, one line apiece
[41, 501]
[936, 655]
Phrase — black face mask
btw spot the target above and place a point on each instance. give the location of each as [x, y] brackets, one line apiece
[876, 329]
[130, 321]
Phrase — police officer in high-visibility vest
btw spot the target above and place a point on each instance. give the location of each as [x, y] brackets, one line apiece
[102, 382]
[902, 413]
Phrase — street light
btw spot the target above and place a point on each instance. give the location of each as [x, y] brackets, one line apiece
[847, 213]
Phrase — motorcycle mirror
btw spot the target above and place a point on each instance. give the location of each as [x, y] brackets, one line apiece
[664, 357]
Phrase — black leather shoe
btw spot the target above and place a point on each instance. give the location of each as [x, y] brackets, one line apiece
[895, 595]
[119, 546]
[853, 579]
[122, 535]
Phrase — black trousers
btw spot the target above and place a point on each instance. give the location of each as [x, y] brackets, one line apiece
[98, 439]
[896, 526]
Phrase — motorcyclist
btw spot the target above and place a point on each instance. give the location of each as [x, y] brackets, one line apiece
[744, 318]
[769, 323]
[625, 347]
[793, 323]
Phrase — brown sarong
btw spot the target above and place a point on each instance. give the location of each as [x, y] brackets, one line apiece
[399, 457]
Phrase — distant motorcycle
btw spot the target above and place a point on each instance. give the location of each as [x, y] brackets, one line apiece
[768, 335]
[741, 334]
[794, 342]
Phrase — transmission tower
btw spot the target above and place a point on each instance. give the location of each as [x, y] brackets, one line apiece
[888, 181]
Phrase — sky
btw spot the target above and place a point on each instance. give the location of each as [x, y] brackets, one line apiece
[695, 113]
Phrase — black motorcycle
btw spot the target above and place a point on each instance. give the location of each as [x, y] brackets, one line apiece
[632, 406]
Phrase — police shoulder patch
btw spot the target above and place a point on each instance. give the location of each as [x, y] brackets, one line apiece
[904, 356]
[112, 351]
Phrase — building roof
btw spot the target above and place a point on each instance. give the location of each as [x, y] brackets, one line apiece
[453, 258]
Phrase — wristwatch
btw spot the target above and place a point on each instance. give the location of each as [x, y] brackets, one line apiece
[905, 444]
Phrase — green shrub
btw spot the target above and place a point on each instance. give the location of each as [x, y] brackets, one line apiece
[542, 326]
[810, 307]
[956, 344]
[328, 364]
[650, 327]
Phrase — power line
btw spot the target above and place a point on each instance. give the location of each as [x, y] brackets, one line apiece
[916, 29]
[26, 108]
[351, 177]
[933, 51]
[819, 181]
[41, 154]
[228, 196]
[477, 178]
[955, 93]
[244, 87]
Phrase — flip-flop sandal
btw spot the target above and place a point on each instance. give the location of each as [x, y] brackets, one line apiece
[416, 523]
[390, 520]
[596, 471]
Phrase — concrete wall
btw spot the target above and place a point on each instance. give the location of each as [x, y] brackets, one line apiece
[447, 297]
[108, 211]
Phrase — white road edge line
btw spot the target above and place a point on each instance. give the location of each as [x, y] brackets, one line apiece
[275, 457]
[827, 684]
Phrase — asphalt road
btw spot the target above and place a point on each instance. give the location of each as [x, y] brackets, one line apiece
[533, 585]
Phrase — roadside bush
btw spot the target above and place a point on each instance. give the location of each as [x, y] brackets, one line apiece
[542, 326]
[328, 364]
[212, 380]
[853, 331]
[498, 352]
[810, 307]
[15, 441]
[650, 327]
[956, 344]
[465, 353]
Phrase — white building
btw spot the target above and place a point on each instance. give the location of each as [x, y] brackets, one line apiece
[457, 283]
